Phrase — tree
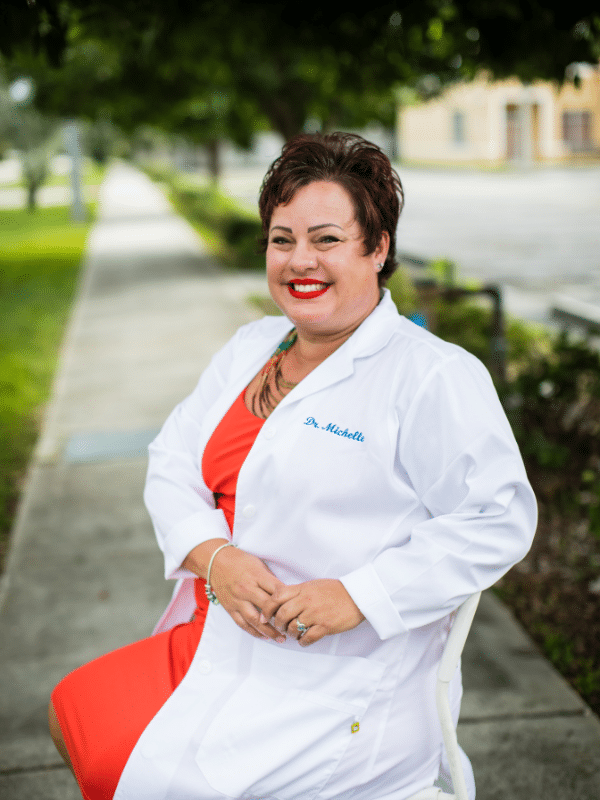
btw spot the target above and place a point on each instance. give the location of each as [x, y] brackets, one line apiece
[31, 134]
[212, 69]
[529, 38]
[101, 76]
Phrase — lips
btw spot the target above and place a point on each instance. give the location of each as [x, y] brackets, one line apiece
[307, 288]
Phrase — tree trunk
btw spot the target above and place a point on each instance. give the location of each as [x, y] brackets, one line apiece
[286, 112]
[32, 189]
[214, 162]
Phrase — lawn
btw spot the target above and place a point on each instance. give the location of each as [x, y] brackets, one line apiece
[40, 256]
[92, 176]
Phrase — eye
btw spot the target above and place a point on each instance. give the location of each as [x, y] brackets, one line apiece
[328, 239]
[279, 240]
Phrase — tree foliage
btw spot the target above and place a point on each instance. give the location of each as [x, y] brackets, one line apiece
[209, 69]
[32, 134]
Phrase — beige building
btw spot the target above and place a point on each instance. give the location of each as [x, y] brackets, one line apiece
[505, 120]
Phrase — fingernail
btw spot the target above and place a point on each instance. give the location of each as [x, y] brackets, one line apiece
[263, 619]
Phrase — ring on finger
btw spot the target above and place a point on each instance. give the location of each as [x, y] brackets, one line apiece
[301, 628]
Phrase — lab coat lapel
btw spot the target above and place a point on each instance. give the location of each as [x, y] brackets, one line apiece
[250, 358]
[338, 366]
[369, 337]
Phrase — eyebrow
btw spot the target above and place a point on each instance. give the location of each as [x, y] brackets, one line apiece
[311, 229]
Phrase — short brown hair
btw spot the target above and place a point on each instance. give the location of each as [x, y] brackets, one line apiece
[357, 165]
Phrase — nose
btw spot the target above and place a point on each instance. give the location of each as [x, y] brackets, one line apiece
[303, 257]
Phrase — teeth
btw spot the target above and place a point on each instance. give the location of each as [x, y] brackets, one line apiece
[308, 287]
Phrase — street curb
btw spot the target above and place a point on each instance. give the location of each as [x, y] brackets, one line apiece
[576, 312]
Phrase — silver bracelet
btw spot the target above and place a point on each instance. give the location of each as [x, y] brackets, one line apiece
[209, 592]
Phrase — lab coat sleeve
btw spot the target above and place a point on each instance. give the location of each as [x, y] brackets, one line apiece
[458, 450]
[180, 504]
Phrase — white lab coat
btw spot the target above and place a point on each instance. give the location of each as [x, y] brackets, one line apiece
[391, 467]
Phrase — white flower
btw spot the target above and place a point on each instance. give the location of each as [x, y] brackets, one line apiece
[546, 388]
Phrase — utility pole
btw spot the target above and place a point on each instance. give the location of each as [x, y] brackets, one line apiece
[73, 147]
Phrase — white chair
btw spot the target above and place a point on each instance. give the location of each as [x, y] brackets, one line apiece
[457, 637]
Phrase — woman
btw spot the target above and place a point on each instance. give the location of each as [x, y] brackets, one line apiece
[342, 480]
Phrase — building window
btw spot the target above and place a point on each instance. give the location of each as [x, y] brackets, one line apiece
[458, 127]
[577, 130]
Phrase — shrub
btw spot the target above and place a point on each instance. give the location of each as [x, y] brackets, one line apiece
[231, 233]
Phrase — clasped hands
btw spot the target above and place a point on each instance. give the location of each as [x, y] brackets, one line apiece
[265, 607]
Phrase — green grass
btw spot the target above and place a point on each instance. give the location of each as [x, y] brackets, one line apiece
[93, 174]
[40, 256]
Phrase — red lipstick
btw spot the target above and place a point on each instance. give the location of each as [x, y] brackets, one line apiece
[304, 295]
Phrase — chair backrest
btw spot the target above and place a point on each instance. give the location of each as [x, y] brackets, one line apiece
[461, 625]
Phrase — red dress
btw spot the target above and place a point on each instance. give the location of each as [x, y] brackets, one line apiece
[104, 706]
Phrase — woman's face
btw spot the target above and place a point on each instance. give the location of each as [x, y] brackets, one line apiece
[316, 268]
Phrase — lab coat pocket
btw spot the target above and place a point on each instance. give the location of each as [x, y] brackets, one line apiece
[284, 730]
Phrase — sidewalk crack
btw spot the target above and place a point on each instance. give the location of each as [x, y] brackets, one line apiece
[580, 712]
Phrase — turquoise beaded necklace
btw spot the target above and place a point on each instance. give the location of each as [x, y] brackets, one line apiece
[267, 399]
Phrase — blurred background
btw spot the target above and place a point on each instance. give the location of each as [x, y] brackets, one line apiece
[489, 110]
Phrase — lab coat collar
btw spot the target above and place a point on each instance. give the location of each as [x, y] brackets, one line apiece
[378, 328]
[370, 337]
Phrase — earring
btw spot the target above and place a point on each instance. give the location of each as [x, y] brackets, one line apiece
[379, 267]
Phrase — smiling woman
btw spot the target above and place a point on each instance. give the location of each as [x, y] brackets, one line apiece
[337, 484]
[353, 164]
[319, 274]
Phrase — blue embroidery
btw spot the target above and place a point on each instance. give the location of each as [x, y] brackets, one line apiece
[331, 427]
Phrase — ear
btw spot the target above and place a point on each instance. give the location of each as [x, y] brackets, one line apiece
[382, 249]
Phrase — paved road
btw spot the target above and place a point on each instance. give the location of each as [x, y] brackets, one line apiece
[537, 229]
[536, 233]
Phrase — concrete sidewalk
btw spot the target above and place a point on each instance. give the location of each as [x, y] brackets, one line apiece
[84, 574]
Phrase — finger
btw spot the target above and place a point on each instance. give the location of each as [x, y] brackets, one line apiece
[287, 613]
[271, 604]
[259, 598]
[241, 623]
[269, 583]
[312, 635]
[298, 629]
[252, 618]
[261, 632]
[244, 575]
[246, 587]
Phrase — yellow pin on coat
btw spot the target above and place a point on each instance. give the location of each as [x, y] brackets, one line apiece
[355, 727]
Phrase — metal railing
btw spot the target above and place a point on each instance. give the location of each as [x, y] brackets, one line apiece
[448, 291]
